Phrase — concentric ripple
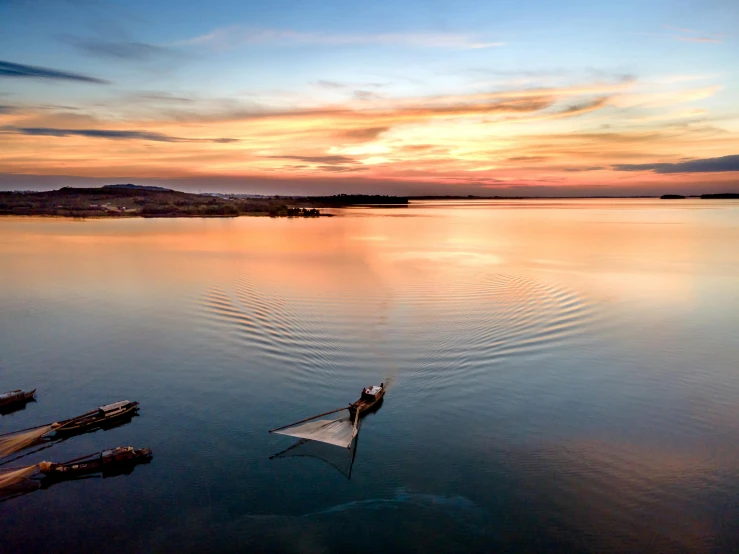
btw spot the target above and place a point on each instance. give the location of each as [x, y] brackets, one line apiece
[440, 330]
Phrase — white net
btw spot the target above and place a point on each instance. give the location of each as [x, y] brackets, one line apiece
[339, 432]
[19, 441]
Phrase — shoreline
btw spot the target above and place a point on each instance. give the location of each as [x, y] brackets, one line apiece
[118, 201]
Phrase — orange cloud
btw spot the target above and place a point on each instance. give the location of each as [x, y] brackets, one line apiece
[544, 136]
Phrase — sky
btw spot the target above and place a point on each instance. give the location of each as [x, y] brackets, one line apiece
[448, 97]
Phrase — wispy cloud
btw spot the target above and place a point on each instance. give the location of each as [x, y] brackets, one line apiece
[328, 163]
[699, 39]
[163, 97]
[238, 35]
[366, 133]
[685, 35]
[105, 133]
[118, 49]
[329, 84]
[386, 113]
[705, 165]
[336, 85]
[341, 169]
[582, 107]
[366, 95]
[328, 160]
[16, 70]
[679, 29]
[690, 35]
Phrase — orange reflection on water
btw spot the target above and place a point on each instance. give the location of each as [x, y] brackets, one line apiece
[627, 248]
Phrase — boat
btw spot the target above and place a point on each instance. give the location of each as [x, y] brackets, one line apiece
[339, 431]
[15, 396]
[370, 399]
[94, 419]
[108, 462]
[16, 482]
[104, 417]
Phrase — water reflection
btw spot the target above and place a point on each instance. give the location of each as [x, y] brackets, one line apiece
[16, 406]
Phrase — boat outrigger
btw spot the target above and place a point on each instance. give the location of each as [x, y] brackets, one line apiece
[341, 431]
[14, 397]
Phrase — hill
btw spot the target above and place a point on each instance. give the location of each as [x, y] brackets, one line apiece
[131, 200]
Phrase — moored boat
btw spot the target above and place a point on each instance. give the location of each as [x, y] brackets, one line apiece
[370, 399]
[17, 396]
[115, 460]
[101, 417]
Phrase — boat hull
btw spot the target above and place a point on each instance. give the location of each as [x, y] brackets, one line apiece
[16, 397]
[366, 405]
[95, 420]
[110, 463]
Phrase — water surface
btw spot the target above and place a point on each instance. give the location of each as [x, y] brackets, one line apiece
[563, 377]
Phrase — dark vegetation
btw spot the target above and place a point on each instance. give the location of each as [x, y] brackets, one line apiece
[134, 201]
[340, 200]
[721, 196]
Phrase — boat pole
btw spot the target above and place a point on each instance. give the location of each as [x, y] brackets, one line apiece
[307, 419]
[354, 432]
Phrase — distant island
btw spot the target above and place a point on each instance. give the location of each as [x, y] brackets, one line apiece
[721, 196]
[129, 200]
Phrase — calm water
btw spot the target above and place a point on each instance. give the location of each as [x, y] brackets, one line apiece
[563, 377]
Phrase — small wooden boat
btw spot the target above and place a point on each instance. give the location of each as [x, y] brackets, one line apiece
[15, 397]
[94, 419]
[370, 399]
[110, 461]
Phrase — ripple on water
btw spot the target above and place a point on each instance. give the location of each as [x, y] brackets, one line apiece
[439, 333]
[499, 317]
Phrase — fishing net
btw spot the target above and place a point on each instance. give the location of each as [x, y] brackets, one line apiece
[22, 439]
[14, 476]
[341, 459]
[339, 432]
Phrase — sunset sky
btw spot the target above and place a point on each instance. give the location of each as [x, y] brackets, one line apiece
[542, 97]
